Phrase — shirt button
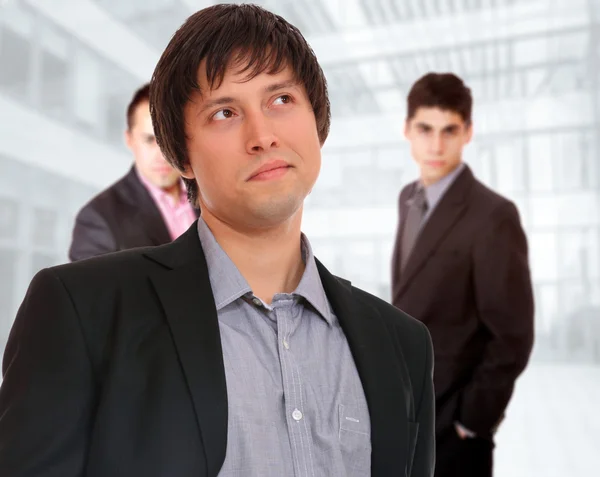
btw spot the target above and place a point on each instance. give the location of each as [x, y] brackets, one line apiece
[256, 301]
[286, 345]
[297, 415]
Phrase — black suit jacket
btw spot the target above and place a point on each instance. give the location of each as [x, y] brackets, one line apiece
[468, 280]
[121, 217]
[114, 368]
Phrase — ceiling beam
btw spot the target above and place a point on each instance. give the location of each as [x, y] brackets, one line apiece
[503, 22]
[94, 27]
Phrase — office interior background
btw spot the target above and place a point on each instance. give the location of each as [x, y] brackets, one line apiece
[68, 69]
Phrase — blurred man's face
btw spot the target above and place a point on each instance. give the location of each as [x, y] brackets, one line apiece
[437, 138]
[253, 148]
[149, 161]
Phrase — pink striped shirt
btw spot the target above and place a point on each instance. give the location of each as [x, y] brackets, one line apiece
[177, 214]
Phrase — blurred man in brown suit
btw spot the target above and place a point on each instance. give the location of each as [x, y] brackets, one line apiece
[148, 206]
[460, 265]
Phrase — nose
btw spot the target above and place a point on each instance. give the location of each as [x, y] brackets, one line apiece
[260, 134]
[437, 144]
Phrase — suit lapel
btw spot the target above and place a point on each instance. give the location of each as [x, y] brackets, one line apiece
[445, 215]
[377, 364]
[186, 295]
[147, 214]
[151, 220]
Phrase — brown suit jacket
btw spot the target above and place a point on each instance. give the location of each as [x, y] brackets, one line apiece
[121, 217]
[468, 280]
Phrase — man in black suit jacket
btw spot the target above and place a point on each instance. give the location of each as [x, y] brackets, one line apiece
[129, 213]
[136, 364]
[460, 265]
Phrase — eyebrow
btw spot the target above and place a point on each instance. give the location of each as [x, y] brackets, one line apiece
[224, 100]
[451, 128]
[284, 84]
[448, 128]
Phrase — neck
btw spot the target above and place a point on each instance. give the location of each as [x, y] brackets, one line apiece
[427, 180]
[269, 259]
[173, 191]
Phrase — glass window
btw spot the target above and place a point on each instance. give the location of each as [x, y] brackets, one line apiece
[15, 50]
[45, 224]
[569, 160]
[592, 263]
[54, 81]
[569, 45]
[543, 253]
[8, 265]
[595, 300]
[572, 253]
[510, 165]
[479, 158]
[18, 19]
[546, 304]
[541, 170]
[589, 147]
[330, 176]
[360, 262]
[530, 50]
[87, 92]
[9, 218]
[40, 261]
[544, 211]
[578, 208]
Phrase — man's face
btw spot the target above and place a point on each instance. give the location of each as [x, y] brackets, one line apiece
[244, 127]
[149, 161]
[437, 138]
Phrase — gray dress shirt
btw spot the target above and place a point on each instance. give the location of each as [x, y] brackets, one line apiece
[436, 191]
[296, 405]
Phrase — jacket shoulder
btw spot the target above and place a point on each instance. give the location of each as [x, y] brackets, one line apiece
[406, 190]
[106, 201]
[488, 200]
[107, 270]
[409, 330]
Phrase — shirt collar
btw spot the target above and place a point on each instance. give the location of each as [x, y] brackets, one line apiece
[436, 191]
[226, 281]
[159, 193]
[310, 287]
[228, 284]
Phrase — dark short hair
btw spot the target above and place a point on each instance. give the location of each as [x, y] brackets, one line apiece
[440, 90]
[222, 35]
[140, 96]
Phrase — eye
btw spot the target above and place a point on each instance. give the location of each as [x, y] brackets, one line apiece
[283, 99]
[223, 114]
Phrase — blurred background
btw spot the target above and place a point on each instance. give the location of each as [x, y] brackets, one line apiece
[68, 68]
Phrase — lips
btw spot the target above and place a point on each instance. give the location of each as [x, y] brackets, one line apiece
[269, 166]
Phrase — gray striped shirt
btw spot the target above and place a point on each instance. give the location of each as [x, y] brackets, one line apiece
[295, 400]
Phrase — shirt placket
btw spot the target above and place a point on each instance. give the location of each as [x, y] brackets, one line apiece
[295, 405]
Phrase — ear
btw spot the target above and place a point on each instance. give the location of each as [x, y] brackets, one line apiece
[188, 173]
[469, 133]
[406, 128]
[128, 139]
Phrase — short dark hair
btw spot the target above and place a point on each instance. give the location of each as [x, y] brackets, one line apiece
[440, 90]
[140, 96]
[224, 34]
